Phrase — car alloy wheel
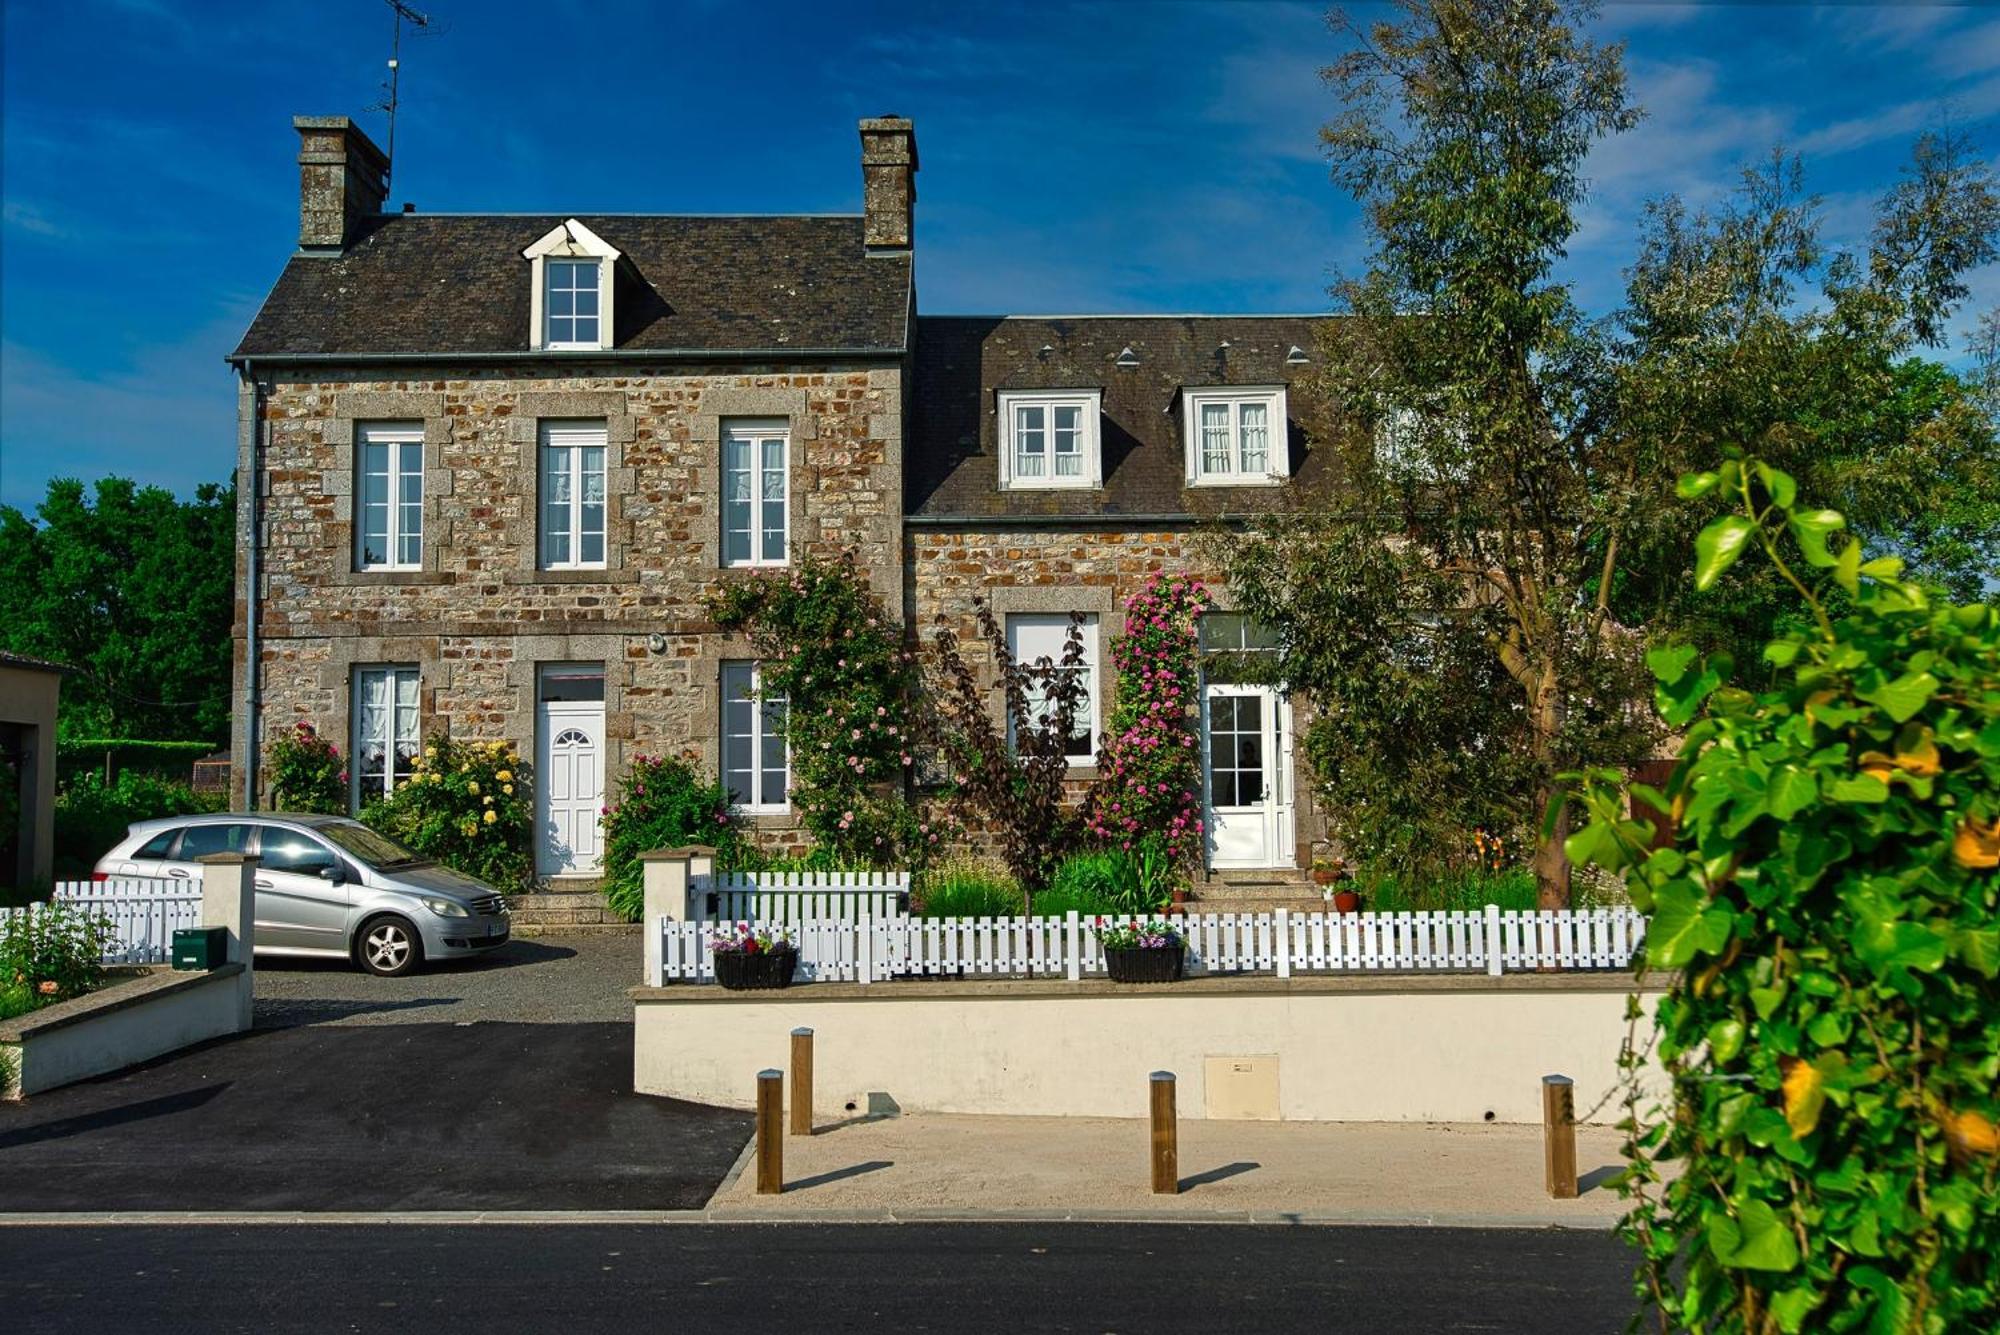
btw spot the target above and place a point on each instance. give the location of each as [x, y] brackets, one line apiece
[388, 947]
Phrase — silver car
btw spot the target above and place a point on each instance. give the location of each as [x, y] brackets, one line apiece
[327, 886]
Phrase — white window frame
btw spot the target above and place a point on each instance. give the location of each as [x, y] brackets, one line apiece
[572, 439]
[570, 241]
[395, 675]
[1056, 624]
[756, 433]
[1089, 404]
[1277, 454]
[393, 436]
[756, 805]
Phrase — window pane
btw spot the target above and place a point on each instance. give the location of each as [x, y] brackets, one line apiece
[736, 507]
[1029, 440]
[738, 723]
[1068, 442]
[1215, 438]
[585, 329]
[1256, 438]
[773, 760]
[586, 301]
[287, 850]
[201, 840]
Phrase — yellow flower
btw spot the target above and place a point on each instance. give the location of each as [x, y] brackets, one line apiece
[492, 816]
[507, 789]
[505, 776]
[466, 768]
[487, 800]
[473, 787]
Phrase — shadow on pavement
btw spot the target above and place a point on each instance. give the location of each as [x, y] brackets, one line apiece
[1227, 1170]
[166, 1105]
[839, 1174]
[516, 953]
[287, 1012]
[1597, 1177]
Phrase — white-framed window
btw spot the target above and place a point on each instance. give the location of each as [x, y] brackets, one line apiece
[386, 741]
[573, 495]
[1050, 439]
[1235, 437]
[756, 473]
[572, 285]
[756, 758]
[570, 301]
[389, 528]
[1033, 636]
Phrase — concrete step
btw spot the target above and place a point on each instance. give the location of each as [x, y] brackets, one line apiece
[1259, 904]
[566, 905]
[611, 928]
[565, 899]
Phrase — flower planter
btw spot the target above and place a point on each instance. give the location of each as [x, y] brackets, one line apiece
[1144, 964]
[1346, 901]
[742, 971]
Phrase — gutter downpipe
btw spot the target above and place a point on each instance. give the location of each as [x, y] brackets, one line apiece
[252, 696]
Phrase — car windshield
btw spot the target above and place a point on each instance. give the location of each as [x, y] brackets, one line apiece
[377, 850]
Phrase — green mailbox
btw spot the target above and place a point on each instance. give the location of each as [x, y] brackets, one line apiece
[200, 948]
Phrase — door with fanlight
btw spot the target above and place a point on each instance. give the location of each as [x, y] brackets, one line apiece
[570, 779]
[1246, 744]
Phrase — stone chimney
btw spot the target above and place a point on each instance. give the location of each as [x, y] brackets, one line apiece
[888, 181]
[343, 179]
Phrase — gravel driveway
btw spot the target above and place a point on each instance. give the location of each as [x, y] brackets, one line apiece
[537, 980]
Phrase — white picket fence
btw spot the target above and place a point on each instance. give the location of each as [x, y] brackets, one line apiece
[877, 949]
[800, 897]
[144, 914]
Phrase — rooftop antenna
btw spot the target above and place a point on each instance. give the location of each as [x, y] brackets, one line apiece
[422, 23]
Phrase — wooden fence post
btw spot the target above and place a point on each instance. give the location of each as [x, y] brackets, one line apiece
[802, 1082]
[1559, 1135]
[770, 1140]
[1166, 1145]
[1494, 965]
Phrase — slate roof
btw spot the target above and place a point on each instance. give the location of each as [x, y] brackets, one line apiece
[962, 362]
[457, 285]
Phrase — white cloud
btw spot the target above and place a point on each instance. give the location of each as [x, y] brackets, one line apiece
[1904, 119]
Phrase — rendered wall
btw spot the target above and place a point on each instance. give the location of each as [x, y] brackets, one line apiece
[1450, 1049]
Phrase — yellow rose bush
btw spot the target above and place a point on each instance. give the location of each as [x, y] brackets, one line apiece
[466, 804]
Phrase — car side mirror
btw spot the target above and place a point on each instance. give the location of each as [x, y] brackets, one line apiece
[337, 874]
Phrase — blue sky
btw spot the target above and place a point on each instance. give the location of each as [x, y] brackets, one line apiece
[1094, 157]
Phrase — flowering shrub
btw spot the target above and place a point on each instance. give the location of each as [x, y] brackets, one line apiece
[306, 772]
[663, 803]
[1132, 934]
[743, 939]
[466, 804]
[1150, 768]
[51, 955]
[836, 656]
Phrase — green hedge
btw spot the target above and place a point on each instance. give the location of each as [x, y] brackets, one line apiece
[141, 754]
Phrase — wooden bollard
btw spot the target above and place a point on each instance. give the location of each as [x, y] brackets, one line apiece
[802, 1082]
[1166, 1145]
[770, 1140]
[1559, 1135]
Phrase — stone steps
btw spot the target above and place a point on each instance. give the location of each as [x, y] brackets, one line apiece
[567, 907]
[1259, 890]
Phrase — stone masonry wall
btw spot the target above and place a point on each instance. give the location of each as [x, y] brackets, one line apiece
[479, 616]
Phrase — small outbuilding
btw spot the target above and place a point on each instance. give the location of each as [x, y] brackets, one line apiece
[28, 693]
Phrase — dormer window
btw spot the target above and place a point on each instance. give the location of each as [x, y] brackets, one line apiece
[1235, 437]
[1049, 439]
[571, 272]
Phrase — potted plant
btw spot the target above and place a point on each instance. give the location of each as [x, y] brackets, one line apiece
[749, 957]
[1152, 951]
[1346, 900]
[1325, 871]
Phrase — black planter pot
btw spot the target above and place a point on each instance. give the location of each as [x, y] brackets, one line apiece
[1146, 964]
[740, 971]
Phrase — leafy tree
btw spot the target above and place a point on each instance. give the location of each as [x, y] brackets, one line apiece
[135, 590]
[1830, 907]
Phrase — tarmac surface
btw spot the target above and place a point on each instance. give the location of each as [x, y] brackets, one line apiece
[332, 1117]
[1016, 1279]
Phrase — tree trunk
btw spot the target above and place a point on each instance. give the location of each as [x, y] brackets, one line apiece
[1552, 870]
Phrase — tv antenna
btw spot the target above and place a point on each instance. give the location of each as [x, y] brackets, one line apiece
[421, 22]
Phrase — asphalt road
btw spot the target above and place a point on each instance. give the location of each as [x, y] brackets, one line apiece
[692, 1279]
[339, 1117]
[543, 980]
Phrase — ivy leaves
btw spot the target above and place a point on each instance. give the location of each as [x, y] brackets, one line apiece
[1831, 903]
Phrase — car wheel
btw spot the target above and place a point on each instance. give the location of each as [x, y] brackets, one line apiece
[388, 947]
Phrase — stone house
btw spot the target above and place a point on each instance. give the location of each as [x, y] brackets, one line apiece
[494, 463]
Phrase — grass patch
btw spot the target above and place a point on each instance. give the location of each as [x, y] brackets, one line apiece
[1058, 900]
[966, 889]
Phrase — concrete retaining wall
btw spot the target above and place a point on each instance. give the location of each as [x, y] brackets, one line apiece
[1437, 1049]
[120, 1027]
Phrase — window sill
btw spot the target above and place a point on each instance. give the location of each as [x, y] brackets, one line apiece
[610, 575]
[1233, 480]
[392, 578]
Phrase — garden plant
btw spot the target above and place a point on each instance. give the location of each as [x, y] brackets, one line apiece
[306, 771]
[1148, 794]
[663, 803]
[1830, 907]
[466, 803]
[50, 955]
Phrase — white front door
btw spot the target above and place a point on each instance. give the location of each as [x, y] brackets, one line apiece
[1246, 744]
[570, 788]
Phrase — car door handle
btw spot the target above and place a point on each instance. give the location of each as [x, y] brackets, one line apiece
[177, 873]
[262, 884]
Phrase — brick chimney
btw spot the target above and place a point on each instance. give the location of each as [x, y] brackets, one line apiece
[343, 179]
[888, 181]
